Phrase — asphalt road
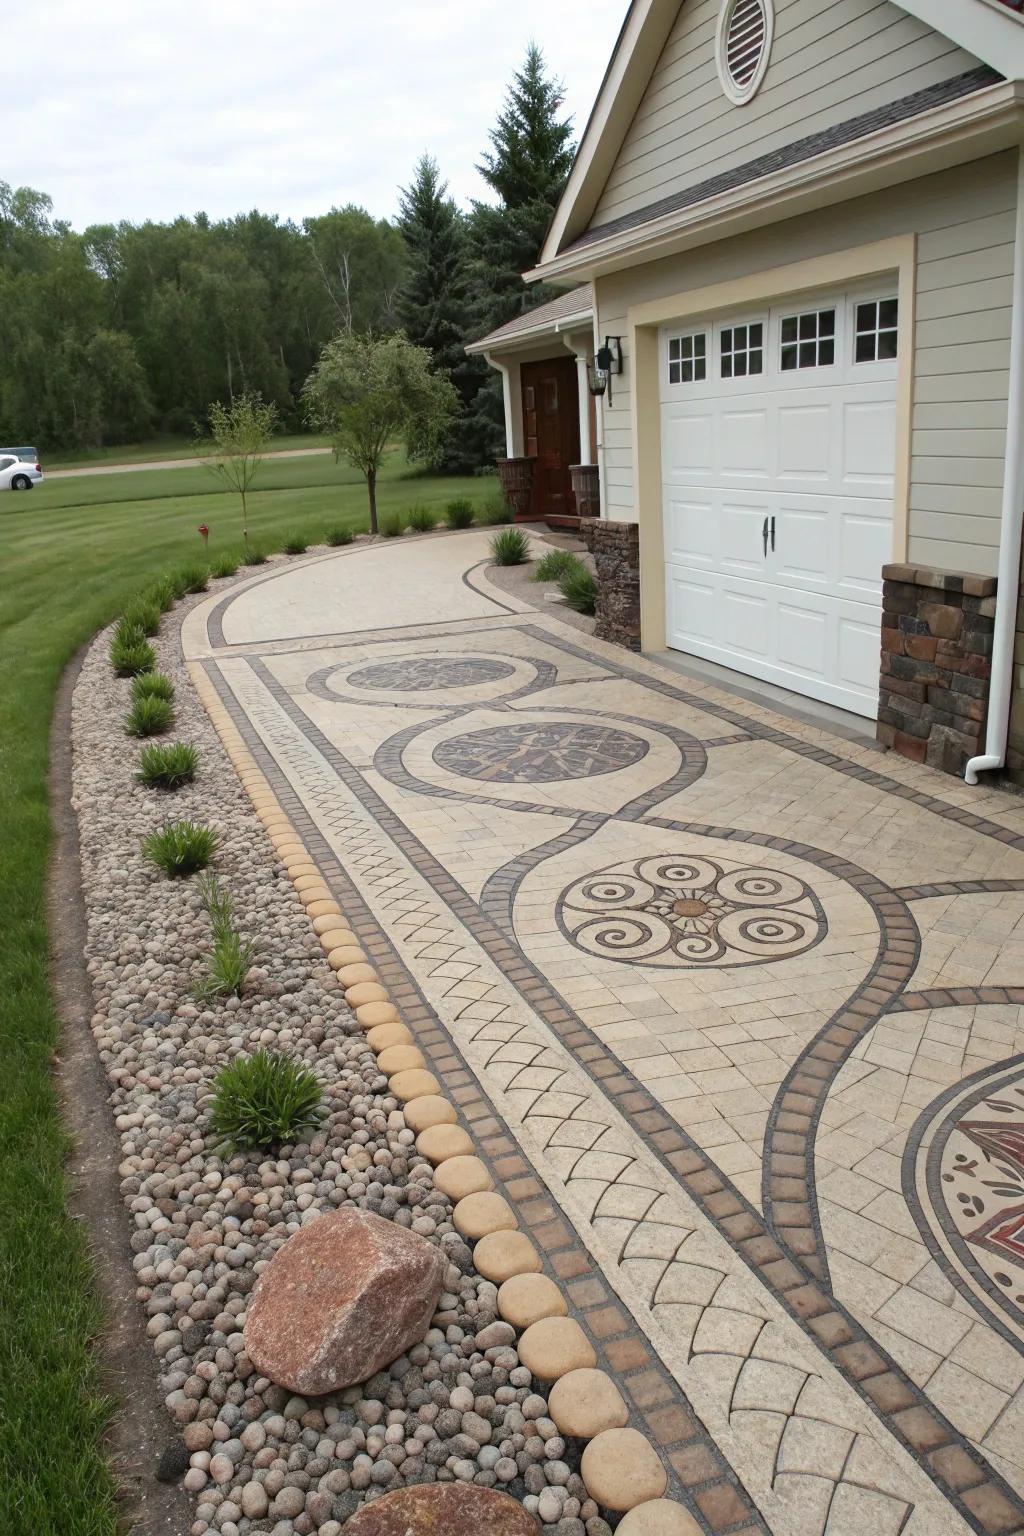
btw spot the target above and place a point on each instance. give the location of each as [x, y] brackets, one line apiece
[124, 469]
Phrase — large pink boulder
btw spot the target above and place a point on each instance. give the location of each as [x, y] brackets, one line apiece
[443, 1509]
[343, 1298]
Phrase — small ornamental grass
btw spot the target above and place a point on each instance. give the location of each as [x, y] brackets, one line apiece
[495, 510]
[579, 588]
[459, 513]
[143, 614]
[232, 957]
[130, 651]
[510, 547]
[337, 537]
[254, 556]
[296, 544]
[167, 767]
[149, 716]
[218, 904]
[227, 966]
[421, 520]
[152, 685]
[265, 1100]
[190, 578]
[180, 848]
[162, 593]
[224, 565]
[556, 564]
[391, 526]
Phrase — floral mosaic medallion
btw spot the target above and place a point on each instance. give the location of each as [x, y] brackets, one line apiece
[539, 753]
[673, 910]
[426, 673]
[980, 1166]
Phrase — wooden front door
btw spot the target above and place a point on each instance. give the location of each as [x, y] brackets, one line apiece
[551, 432]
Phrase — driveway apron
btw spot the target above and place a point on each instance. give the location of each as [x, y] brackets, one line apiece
[731, 1005]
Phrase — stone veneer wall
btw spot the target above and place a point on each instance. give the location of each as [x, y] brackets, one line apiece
[936, 662]
[616, 551]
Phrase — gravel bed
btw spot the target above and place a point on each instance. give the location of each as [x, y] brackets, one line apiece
[254, 1457]
[518, 580]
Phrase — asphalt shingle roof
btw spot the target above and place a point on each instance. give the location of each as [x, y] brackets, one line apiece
[572, 302]
[792, 154]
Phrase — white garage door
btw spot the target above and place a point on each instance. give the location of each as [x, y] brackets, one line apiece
[778, 449]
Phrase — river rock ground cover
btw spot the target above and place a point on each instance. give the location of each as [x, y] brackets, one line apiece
[459, 1406]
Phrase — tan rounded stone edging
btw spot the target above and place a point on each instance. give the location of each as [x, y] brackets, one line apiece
[620, 1468]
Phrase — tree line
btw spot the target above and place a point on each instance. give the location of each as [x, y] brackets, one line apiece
[127, 330]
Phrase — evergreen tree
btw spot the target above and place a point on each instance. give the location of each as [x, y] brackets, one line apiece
[531, 153]
[433, 302]
[527, 165]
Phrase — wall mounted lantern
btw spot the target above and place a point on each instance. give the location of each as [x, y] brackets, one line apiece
[607, 362]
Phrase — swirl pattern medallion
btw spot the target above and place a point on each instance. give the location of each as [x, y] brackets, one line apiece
[544, 752]
[679, 911]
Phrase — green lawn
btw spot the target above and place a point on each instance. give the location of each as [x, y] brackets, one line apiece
[71, 554]
[158, 448]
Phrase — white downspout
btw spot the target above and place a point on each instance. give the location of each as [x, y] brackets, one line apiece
[583, 394]
[599, 453]
[1011, 520]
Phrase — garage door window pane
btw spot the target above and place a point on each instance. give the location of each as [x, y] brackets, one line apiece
[875, 330]
[687, 358]
[742, 349]
[808, 340]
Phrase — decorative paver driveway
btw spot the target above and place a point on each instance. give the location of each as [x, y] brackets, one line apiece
[745, 997]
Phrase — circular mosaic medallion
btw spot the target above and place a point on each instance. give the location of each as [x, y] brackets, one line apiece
[418, 674]
[531, 753]
[673, 910]
[975, 1192]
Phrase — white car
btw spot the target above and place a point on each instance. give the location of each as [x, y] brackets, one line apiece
[19, 469]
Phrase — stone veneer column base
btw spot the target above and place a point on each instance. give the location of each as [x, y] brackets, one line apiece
[616, 551]
[936, 663]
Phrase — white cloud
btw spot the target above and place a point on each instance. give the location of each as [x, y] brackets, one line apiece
[134, 109]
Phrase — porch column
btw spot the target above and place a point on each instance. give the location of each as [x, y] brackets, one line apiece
[579, 344]
[512, 399]
[586, 446]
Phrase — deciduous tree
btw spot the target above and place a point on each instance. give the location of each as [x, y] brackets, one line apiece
[369, 392]
[241, 434]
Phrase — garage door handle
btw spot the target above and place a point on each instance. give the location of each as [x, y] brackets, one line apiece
[764, 538]
[773, 535]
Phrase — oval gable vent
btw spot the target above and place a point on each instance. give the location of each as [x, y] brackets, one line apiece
[744, 38]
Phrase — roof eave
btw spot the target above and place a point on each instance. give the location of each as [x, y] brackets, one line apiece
[982, 123]
[532, 333]
[637, 49]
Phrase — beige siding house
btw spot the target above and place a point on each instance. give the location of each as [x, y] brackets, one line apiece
[799, 223]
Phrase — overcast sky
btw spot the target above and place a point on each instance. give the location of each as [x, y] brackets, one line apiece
[149, 108]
